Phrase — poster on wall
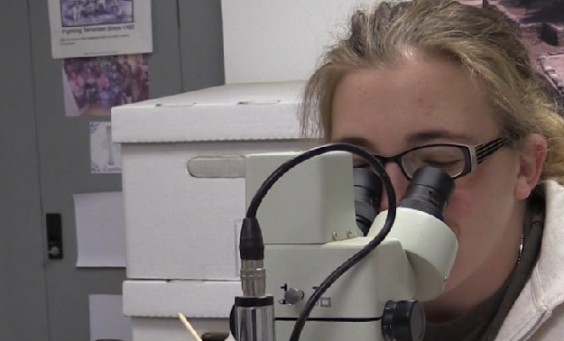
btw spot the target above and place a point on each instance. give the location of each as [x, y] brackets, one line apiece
[541, 23]
[105, 155]
[92, 86]
[86, 28]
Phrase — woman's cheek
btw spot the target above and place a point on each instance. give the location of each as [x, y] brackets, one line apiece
[453, 215]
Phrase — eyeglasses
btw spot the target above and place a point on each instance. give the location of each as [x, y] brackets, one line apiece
[455, 159]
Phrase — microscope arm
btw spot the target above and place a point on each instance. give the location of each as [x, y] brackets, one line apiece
[309, 233]
[407, 265]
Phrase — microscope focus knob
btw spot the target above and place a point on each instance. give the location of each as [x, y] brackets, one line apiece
[293, 296]
[403, 321]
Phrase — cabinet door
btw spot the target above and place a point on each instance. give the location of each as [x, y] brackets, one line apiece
[23, 308]
[63, 145]
[64, 153]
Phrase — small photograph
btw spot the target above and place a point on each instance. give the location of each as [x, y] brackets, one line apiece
[92, 86]
[95, 12]
[105, 155]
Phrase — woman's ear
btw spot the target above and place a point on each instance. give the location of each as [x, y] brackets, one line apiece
[531, 164]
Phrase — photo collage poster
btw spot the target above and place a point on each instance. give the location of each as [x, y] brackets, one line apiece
[104, 46]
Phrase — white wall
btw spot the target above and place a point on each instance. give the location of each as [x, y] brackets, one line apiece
[279, 40]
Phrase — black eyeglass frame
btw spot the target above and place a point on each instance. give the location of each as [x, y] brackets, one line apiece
[473, 155]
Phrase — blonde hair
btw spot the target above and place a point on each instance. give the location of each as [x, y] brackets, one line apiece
[482, 40]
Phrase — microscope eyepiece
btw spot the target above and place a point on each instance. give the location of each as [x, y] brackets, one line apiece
[429, 191]
[367, 195]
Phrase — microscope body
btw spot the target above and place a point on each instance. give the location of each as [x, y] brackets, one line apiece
[309, 229]
[352, 307]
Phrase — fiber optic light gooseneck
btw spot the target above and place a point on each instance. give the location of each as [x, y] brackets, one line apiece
[326, 280]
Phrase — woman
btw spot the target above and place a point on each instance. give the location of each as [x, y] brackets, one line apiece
[435, 82]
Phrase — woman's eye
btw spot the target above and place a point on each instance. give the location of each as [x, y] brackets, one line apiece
[443, 164]
[360, 164]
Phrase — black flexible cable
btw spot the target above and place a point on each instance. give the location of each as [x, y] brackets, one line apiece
[339, 271]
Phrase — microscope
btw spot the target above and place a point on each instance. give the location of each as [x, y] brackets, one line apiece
[318, 262]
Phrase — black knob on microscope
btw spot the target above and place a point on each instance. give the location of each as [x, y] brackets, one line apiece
[215, 336]
[403, 321]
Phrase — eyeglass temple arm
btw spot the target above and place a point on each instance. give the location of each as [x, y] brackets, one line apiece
[486, 149]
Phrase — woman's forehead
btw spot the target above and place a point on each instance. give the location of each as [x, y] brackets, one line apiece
[420, 100]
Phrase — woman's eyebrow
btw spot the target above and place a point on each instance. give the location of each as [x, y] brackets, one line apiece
[415, 139]
[357, 141]
[434, 134]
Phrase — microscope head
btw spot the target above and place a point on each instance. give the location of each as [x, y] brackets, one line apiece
[309, 222]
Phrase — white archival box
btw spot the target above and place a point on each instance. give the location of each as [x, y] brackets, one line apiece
[181, 230]
[183, 173]
[184, 196]
[154, 305]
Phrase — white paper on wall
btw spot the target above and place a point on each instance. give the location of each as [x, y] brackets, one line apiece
[105, 155]
[88, 28]
[100, 229]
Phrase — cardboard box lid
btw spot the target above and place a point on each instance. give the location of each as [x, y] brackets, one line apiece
[232, 112]
[196, 299]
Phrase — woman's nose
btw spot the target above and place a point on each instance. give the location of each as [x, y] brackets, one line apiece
[399, 181]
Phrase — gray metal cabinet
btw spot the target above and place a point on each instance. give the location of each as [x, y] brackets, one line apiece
[44, 159]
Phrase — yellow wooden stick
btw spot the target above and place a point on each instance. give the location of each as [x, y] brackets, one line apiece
[189, 327]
